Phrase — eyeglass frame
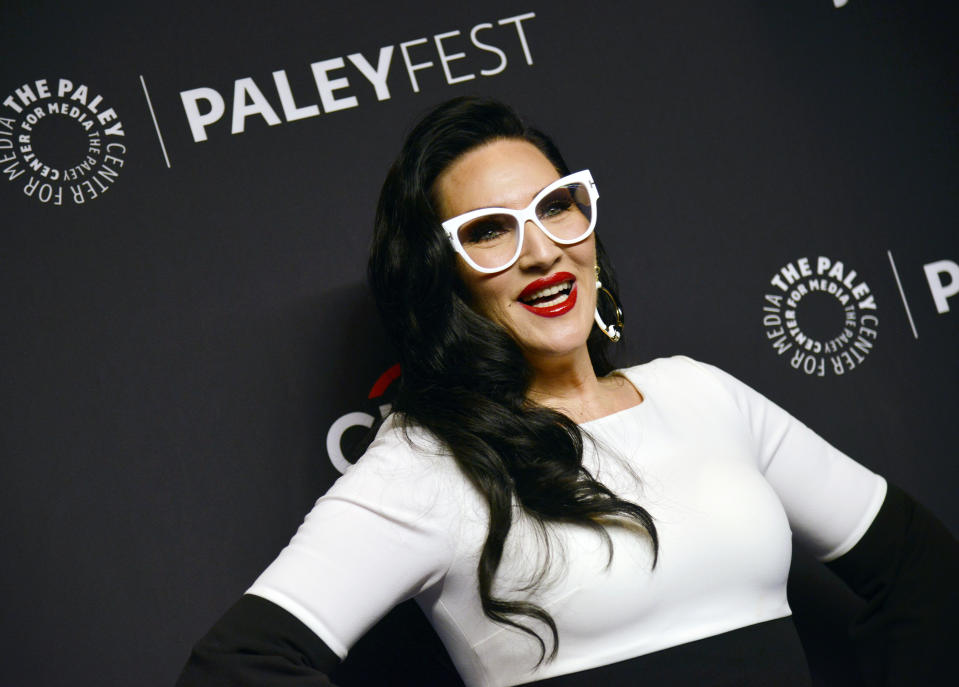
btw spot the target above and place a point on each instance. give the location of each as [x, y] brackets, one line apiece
[453, 224]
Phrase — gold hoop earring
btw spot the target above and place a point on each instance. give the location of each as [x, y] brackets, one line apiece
[613, 331]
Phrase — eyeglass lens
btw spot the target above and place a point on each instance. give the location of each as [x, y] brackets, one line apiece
[564, 213]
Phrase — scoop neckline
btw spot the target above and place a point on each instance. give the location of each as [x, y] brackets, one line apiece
[629, 379]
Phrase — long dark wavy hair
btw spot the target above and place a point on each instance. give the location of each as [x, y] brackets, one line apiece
[464, 378]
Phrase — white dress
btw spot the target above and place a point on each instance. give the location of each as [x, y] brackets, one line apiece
[727, 476]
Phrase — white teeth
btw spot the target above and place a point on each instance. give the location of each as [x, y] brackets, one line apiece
[549, 291]
[553, 301]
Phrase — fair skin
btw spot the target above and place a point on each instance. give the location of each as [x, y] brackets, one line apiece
[509, 173]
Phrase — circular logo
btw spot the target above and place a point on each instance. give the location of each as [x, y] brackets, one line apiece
[60, 141]
[821, 317]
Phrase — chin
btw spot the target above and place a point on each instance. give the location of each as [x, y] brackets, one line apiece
[557, 346]
[549, 337]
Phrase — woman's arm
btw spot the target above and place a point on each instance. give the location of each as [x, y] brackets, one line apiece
[889, 549]
[377, 538]
[258, 643]
[906, 566]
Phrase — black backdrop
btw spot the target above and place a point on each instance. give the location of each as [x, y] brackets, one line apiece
[177, 347]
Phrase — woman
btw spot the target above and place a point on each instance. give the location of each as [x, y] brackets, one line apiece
[558, 522]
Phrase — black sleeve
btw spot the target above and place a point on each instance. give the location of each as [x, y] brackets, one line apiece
[906, 567]
[258, 643]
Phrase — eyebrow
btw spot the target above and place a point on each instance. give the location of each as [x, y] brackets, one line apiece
[503, 207]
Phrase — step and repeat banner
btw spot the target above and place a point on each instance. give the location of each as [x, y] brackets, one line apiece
[189, 350]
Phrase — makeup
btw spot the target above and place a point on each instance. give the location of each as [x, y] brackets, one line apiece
[550, 296]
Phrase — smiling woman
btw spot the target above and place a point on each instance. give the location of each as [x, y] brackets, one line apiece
[522, 487]
[541, 291]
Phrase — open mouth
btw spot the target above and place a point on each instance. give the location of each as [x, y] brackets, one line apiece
[550, 297]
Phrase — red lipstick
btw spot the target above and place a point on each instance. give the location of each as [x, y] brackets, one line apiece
[550, 310]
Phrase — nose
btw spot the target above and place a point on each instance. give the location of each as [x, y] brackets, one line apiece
[539, 250]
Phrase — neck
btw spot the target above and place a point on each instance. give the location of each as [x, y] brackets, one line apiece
[567, 384]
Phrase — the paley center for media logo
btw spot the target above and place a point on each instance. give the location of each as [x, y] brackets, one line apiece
[820, 316]
[60, 141]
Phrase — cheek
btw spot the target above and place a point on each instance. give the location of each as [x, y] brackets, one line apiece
[491, 302]
[484, 294]
[585, 252]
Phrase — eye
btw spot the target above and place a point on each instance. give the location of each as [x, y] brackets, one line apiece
[485, 230]
[556, 203]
